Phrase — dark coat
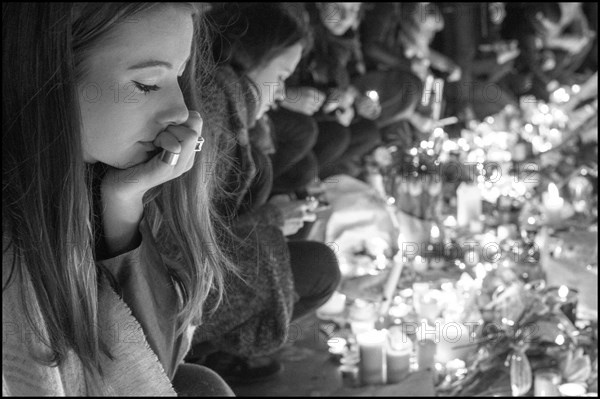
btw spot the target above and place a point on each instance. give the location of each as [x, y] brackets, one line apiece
[255, 314]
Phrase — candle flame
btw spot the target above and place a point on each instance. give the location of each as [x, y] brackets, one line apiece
[553, 191]
[435, 232]
[563, 291]
[450, 221]
[373, 95]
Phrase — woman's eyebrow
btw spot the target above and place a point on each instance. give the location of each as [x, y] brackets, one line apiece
[151, 64]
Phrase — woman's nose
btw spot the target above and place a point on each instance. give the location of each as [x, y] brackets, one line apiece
[176, 111]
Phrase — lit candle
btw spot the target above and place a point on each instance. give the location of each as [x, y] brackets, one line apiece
[504, 231]
[566, 300]
[420, 264]
[428, 305]
[476, 226]
[553, 203]
[435, 234]
[337, 345]
[572, 389]
[373, 95]
[398, 353]
[468, 203]
[371, 347]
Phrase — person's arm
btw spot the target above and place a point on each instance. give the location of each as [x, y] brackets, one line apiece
[304, 100]
[386, 57]
[442, 63]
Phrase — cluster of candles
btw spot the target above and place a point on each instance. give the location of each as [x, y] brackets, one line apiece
[373, 355]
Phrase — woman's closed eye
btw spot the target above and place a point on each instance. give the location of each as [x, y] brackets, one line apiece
[145, 88]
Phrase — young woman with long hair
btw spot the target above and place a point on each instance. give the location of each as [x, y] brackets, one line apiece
[257, 48]
[99, 127]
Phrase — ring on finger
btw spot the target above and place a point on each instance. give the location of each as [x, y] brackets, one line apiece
[199, 144]
[170, 158]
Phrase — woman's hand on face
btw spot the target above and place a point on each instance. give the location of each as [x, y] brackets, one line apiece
[304, 100]
[294, 213]
[123, 189]
[132, 183]
[367, 107]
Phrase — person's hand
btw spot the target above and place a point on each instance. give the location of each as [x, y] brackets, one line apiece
[123, 189]
[421, 122]
[177, 139]
[367, 107]
[344, 116]
[454, 73]
[294, 213]
[420, 67]
[339, 98]
[304, 100]
[507, 54]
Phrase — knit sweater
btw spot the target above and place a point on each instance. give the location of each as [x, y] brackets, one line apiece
[139, 344]
[254, 317]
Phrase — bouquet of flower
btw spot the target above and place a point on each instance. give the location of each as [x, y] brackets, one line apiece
[522, 331]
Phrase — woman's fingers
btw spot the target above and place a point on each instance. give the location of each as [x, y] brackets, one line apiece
[167, 141]
[187, 135]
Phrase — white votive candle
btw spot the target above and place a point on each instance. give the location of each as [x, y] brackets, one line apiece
[337, 345]
[468, 204]
[420, 264]
[373, 95]
[572, 389]
[553, 204]
[371, 346]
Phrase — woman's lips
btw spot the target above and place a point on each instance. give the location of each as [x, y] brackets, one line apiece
[149, 145]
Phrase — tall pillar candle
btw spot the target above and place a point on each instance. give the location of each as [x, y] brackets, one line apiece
[397, 355]
[468, 204]
[371, 345]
